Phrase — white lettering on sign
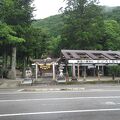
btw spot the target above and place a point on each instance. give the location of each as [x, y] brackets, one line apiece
[95, 61]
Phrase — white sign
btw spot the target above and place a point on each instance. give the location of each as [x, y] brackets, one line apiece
[95, 61]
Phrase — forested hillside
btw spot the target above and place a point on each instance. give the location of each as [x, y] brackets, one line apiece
[53, 24]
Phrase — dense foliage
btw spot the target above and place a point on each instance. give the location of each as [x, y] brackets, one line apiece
[83, 24]
[16, 33]
[98, 28]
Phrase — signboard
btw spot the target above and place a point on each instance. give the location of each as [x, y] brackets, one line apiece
[95, 61]
[45, 66]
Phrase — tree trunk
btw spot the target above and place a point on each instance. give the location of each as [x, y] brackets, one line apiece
[113, 76]
[24, 66]
[4, 60]
[4, 57]
[4, 65]
[12, 73]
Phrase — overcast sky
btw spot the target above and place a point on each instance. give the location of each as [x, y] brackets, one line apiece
[45, 8]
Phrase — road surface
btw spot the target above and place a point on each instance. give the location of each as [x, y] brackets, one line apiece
[91, 104]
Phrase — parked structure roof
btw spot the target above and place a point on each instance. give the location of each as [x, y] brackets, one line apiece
[90, 55]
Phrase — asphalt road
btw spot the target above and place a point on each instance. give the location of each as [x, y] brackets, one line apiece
[92, 104]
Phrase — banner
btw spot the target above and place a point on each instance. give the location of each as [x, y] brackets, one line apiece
[95, 61]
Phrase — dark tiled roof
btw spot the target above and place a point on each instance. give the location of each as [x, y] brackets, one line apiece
[90, 54]
[42, 61]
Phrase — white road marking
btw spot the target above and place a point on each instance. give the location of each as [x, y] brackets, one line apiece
[96, 90]
[59, 112]
[110, 103]
[71, 98]
[20, 90]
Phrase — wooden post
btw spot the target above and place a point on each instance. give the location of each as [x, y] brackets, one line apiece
[84, 73]
[78, 71]
[73, 72]
[94, 71]
[98, 73]
[67, 74]
[102, 70]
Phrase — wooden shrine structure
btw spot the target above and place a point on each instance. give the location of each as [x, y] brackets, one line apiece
[88, 62]
[45, 67]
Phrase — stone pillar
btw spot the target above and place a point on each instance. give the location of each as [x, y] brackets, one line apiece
[53, 71]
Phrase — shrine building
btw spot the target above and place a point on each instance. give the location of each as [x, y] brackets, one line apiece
[77, 64]
[83, 63]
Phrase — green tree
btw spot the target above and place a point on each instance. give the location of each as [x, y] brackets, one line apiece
[36, 43]
[17, 14]
[111, 35]
[112, 13]
[53, 46]
[8, 37]
[114, 71]
[81, 18]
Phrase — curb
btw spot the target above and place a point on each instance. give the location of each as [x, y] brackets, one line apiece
[51, 89]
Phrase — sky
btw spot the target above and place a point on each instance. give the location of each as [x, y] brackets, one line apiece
[46, 8]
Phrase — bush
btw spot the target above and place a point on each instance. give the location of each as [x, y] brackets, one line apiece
[114, 71]
[3, 73]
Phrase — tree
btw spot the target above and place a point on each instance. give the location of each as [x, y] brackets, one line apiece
[111, 35]
[114, 71]
[8, 37]
[81, 18]
[17, 14]
[53, 46]
[36, 43]
[112, 13]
